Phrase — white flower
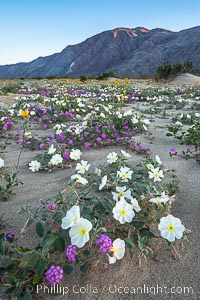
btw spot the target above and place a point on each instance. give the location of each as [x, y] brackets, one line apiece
[52, 150]
[1, 162]
[171, 228]
[124, 173]
[125, 154]
[146, 121]
[75, 154]
[82, 167]
[34, 166]
[56, 159]
[79, 233]
[102, 115]
[71, 218]
[28, 134]
[98, 171]
[145, 127]
[178, 123]
[134, 120]
[121, 193]
[156, 174]
[118, 250]
[103, 182]
[163, 198]
[150, 166]
[79, 179]
[128, 113]
[120, 116]
[135, 204]
[158, 160]
[112, 157]
[123, 212]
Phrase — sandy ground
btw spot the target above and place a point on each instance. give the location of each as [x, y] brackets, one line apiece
[186, 79]
[160, 272]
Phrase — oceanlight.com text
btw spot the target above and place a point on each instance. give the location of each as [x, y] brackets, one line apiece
[111, 289]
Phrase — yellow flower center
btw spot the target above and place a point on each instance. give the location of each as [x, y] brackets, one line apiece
[123, 175]
[82, 231]
[156, 175]
[121, 194]
[113, 249]
[171, 228]
[75, 219]
[123, 212]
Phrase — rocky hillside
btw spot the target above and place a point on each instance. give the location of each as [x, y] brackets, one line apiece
[126, 52]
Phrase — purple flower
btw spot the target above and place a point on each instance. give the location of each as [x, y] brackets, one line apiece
[173, 150]
[103, 135]
[41, 146]
[87, 145]
[71, 115]
[105, 243]
[108, 141]
[98, 139]
[52, 136]
[86, 133]
[191, 147]
[132, 145]
[70, 142]
[61, 137]
[51, 206]
[118, 139]
[20, 140]
[125, 132]
[54, 274]
[63, 145]
[10, 235]
[180, 155]
[45, 126]
[66, 155]
[148, 149]
[71, 253]
[141, 148]
[28, 143]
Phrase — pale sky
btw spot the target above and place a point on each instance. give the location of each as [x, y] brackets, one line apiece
[32, 28]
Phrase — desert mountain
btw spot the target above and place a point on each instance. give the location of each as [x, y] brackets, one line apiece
[127, 52]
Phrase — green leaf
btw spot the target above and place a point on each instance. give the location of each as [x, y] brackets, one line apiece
[60, 243]
[84, 268]
[22, 250]
[146, 232]
[86, 252]
[49, 242]
[2, 248]
[39, 269]
[129, 243]
[2, 271]
[39, 229]
[2, 236]
[138, 224]
[29, 259]
[26, 296]
[68, 269]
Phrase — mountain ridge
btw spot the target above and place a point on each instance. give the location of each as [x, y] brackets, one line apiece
[127, 52]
